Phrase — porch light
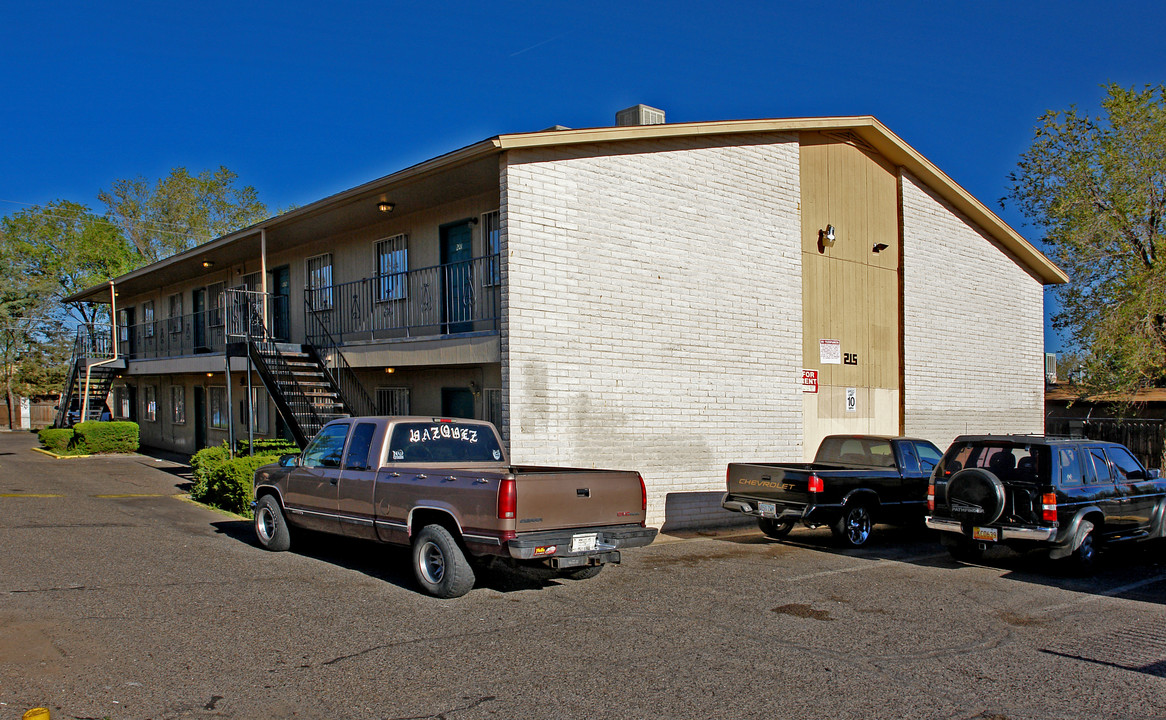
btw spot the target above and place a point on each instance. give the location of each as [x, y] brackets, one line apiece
[385, 207]
[879, 247]
[208, 264]
[210, 374]
[390, 371]
[826, 237]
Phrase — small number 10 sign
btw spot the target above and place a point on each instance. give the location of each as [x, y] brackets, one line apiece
[851, 399]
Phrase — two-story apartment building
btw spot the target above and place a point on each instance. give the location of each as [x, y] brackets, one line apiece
[661, 297]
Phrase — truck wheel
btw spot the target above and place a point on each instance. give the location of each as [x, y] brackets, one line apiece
[774, 529]
[852, 528]
[583, 573]
[440, 565]
[270, 526]
[1084, 558]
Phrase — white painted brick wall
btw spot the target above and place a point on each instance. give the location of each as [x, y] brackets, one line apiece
[974, 343]
[652, 316]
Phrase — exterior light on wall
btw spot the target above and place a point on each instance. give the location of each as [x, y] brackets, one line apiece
[208, 264]
[879, 247]
[826, 237]
[385, 207]
[390, 371]
[210, 374]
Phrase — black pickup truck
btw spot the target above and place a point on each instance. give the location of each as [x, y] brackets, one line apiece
[854, 481]
[1067, 496]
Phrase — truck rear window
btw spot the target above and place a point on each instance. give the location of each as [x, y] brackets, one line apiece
[443, 442]
[859, 452]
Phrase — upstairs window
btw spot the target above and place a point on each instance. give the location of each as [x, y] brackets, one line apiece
[392, 258]
[148, 317]
[320, 281]
[492, 239]
[176, 313]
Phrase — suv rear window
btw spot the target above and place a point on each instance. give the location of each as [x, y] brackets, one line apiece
[1007, 461]
[443, 442]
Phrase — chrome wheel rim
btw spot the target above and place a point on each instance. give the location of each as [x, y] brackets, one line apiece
[431, 562]
[265, 524]
[858, 526]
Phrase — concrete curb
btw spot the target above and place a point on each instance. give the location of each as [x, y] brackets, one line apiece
[52, 454]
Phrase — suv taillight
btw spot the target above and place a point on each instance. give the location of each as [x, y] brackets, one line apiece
[931, 498]
[816, 484]
[507, 499]
[643, 501]
[1048, 507]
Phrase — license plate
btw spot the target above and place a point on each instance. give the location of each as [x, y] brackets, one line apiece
[767, 509]
[986, 534]
[584, 543]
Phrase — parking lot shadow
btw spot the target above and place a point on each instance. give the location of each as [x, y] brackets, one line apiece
[389, 563]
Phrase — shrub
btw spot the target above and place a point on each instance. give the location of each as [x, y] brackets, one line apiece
[229, 487]
[105, 437]
[270, 445]
[205, 463]
[56, 439]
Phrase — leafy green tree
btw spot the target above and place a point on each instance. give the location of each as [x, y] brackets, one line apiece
[1097, 188]
[181, 210]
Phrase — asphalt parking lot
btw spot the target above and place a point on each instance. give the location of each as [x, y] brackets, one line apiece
[119, 599]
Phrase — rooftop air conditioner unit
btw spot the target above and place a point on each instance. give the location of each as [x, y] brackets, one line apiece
[639, 115]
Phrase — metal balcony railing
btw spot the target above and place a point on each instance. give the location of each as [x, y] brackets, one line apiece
[439, 300]
[93, 342]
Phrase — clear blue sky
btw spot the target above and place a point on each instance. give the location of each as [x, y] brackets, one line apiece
[303, 100]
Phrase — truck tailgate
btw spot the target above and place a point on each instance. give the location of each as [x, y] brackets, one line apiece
[558, 498]
[777, 482]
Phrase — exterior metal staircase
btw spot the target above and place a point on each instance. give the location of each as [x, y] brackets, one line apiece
[301, 387]
[87, 385]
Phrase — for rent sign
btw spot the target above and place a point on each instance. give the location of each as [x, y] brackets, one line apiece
[810, 381]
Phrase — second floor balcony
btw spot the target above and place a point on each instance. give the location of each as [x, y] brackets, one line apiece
[432, 302]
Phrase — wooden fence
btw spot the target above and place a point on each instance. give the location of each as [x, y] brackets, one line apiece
[1146, 438]
[42, 414]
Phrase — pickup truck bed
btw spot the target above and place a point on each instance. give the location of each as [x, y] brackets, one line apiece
[855, 481]
[445, 488]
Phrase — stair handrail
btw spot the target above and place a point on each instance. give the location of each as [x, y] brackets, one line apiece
[352, 391]
[278, 375]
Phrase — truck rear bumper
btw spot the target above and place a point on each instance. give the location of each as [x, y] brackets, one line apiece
[1033, 533]
[558, 544]
[810, 514]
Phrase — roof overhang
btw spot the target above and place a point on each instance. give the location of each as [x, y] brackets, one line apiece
[467, 167]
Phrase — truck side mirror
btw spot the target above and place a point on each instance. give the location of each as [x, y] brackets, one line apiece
[289, 460]
[1155, 473]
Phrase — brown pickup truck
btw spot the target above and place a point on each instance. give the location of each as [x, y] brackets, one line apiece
[445, 487]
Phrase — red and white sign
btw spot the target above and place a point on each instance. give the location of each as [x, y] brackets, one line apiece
[810, 381]
[830, 352]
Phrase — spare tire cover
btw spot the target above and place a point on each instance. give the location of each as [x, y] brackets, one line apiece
[975, 496]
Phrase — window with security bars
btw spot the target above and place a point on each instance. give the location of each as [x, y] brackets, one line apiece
[392, 265]
[150, 401]
[148, 317]
[492, 239]
[121, 402]
[320, 281]
[215, 292]
[393, 401]
[217, 397]
[177, 404]
[258, 410]
[493, 406]
[176, 313]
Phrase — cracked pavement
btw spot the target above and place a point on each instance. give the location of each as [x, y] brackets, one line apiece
[119, 599]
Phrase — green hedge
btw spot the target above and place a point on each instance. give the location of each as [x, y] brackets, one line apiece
[56, 439]
[106, 437]
[225, 483]
[90, 438]
[270, 445]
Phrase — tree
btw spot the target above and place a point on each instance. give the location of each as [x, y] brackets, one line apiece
[1097, 188]
[180, 211]
[57, 250]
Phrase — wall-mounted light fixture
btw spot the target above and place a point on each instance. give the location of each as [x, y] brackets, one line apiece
[210, 374]
[385, 207]
[390, 371]
[208, 264]
[826, 237]
[879, 247]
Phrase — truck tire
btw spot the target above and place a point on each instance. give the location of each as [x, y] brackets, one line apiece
[976, 496]
[583, 573]
[270, 525]
[439, 563]
[1084, 558]
[853, 526]
[773, 528]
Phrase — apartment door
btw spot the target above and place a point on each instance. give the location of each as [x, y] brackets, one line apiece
[281, 297]
[457, 403]
[198, 321]
[199, 417]
[457, 300]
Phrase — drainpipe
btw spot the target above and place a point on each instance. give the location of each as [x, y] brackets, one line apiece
[263, 273]
[89, 367]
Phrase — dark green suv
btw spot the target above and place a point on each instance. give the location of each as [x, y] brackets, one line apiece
[1027, 492]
